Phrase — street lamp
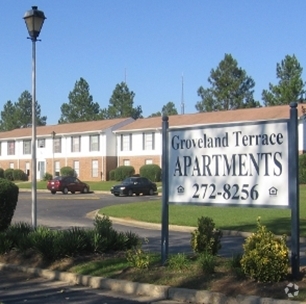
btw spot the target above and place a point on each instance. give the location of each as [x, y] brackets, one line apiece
[34, 20]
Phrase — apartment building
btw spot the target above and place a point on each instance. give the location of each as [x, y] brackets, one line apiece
[88, 147]
[94, 148]
[140, 142]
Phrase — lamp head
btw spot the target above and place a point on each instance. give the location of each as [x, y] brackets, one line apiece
[34, 20]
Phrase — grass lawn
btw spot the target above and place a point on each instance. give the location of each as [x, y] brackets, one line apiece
[226, 218]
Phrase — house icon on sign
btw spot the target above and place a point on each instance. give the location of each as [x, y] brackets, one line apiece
[273, 191]
[180, 189]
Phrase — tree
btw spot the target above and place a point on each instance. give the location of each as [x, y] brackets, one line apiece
[168, 109]
[8, 121]
[121, 103]
[290, 86]
[231, 88]
[81, 106]
[19, 114]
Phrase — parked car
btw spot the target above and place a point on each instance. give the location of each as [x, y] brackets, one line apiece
[136, 185]
[67, 184]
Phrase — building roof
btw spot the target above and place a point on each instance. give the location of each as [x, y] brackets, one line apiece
[68, 128]
[204, 118]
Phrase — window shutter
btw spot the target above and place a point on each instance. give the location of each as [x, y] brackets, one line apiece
[143, 141]
[131, 146]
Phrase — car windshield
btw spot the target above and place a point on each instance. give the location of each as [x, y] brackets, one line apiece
[129, 180]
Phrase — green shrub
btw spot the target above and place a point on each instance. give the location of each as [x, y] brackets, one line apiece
[112, 175]
[1, 173]
[19, 175]
[137, 257]
[8, 202]
[6, 244]
[123, 172]
[207, 262]
[47, 176]
[104, 238]
[178, 262]
[302, 168]
[265, 256]
[206, 238]
[9, 174]
[42, 241]
[18, 234]
[71, 242]
[152, 172]
[234, 264]
[67, 171]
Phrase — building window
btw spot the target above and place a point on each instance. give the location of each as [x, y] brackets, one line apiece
[76, 144]
[26, 147]
[148, 141]
[94, 168]
[126, 162]
[126, 142]
[41, 143]
[57, 145]
[11, 148]
[76, 167]
[57, 168]
[94, 143]
[11, 165]
[149, 161]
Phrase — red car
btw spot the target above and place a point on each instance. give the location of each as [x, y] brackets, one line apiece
[67, 184]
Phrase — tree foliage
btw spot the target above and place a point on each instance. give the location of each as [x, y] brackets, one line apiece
[231, 88]
[121, 104]
[168, 109]
[19, 114]
[290, 86]
[80, 106]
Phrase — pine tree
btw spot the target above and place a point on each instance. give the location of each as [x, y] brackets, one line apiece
[290, 86]
[81, 106]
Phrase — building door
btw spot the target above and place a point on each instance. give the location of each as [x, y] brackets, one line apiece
[41, 170]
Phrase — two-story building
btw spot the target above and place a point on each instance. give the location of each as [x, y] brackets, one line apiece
[93, 148]
[88, 147]
[140, 142]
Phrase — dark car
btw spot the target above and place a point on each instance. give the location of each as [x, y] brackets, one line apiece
[67, 184]
[136, 185]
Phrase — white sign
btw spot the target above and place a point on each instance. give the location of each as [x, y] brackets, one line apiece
[233, 164]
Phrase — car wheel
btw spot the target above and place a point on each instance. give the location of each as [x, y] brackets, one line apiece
[85, 190]
[53, 192]
[65, 190]
[130, 193]
[151, 192]
[116, 194]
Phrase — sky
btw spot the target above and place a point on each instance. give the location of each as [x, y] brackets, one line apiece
[161, 48]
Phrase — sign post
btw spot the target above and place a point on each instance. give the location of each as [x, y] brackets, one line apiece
[165, 193]
[294, 191]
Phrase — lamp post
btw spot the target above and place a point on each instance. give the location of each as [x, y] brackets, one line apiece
[34, 20]
[53, 136]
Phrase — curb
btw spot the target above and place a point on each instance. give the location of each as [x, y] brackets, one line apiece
[157, 293]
